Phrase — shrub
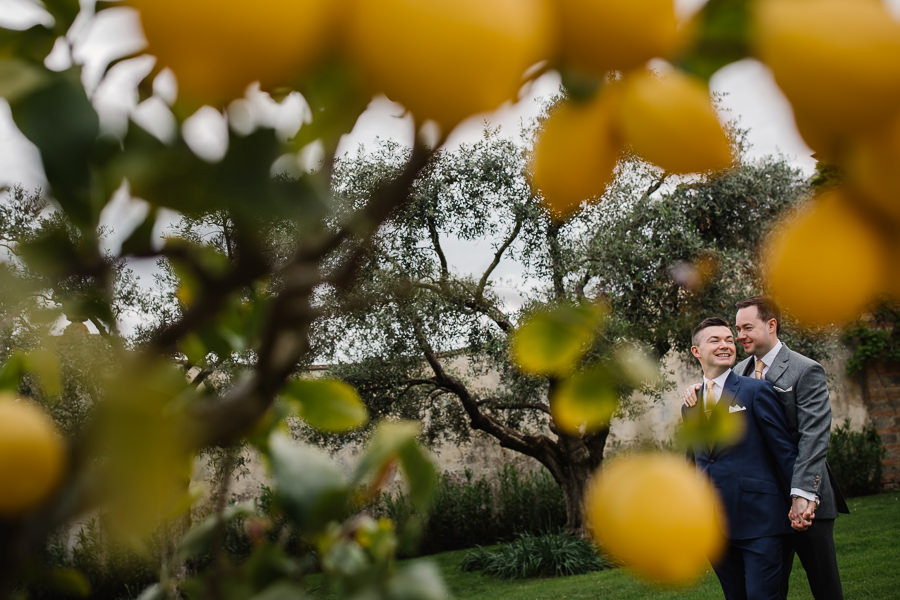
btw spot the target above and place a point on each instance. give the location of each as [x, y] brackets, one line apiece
[855, 459]
[472, 512]
[529, 503]
[548, 555]
[111, 571]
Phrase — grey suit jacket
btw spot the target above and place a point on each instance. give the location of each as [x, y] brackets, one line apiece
[803, 393]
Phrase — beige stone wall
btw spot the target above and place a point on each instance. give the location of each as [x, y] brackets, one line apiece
[656, 425]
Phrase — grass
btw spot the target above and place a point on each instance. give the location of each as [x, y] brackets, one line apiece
[867, 540]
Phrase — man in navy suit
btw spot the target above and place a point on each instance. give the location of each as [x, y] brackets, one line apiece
[752, 474]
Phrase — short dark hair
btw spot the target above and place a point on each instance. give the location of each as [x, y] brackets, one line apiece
[708, 322]
[766, 308]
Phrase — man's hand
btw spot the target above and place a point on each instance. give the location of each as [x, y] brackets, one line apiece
[690, 394]
[802, 513]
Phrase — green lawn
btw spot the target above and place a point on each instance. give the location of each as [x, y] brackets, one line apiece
[868, 546]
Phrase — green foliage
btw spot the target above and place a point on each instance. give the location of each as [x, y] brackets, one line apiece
[875, 338]
[108, 570]
[547, 555]
[855, 459]
[863, 540]
[480, 512]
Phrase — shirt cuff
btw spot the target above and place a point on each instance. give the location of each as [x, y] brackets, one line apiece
[804, 494]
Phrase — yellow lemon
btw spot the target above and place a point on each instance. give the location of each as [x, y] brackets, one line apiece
[448, 59]
[872, 164]
[827, 263]
[216, 49]
[668, 542]
[669, 119]
[599, 35]
[838, 63]
[32, 455]
[575, 154]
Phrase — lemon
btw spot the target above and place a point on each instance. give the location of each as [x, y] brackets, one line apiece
[669, 119]
[827, 263]
[32, 455]
[599, 35]
[217, 49]
[668, 541]
[838, 63]
[575, 154]
[872, 164]
[448, 59]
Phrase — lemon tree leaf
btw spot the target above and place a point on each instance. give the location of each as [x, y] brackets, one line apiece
[45, 365]
[421, 475]
[395, 442]
[202, 537]
[12, 371]
[585, 401]
[327, 404]
[311, 487]
[722, 33]
[720, 426]
[552, 342]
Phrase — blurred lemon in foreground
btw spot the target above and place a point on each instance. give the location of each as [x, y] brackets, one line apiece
[32, 455]
[872, 163]
[575, 154]
[827, 263]
[217, 49]
[838, 62]
[600, 35]
[669, 542]
[669, 120]
[448, 59]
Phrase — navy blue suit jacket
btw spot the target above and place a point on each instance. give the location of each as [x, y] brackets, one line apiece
[753, 475]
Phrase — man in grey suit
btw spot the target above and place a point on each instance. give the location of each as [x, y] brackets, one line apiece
[802, 391]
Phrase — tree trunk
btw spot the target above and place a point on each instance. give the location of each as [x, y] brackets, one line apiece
[573, 489]
[575, 459]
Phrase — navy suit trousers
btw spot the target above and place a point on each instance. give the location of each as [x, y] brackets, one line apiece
[751, 569]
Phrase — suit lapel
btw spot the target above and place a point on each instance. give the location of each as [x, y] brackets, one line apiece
[780, 365]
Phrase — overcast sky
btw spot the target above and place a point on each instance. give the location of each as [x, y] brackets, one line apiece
[750, 96]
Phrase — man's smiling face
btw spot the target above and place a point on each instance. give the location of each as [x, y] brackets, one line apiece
[756, 336]
[714, 348]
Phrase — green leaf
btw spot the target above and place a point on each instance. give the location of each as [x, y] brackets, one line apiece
[327, 404]
[69, 583]
[421, 475]
[64, 11]
[585, 401]
[61, 121]
[722, 36]
[418, 581]
[140, 241]
[12, 372]
[45, 365]
[552, 342]
[283, 590]
[387, 440]
[719, 427]
[19, 79]
[311, 487]
[49, 254]
[200, 539]
[396, 442]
